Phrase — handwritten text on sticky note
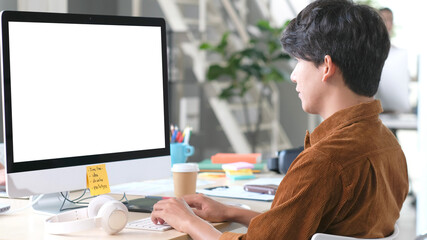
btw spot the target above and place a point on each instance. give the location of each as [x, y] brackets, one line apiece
[97, 179]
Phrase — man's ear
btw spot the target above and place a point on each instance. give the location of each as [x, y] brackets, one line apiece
[329, 68]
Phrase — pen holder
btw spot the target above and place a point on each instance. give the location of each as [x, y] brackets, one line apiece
[180, 152]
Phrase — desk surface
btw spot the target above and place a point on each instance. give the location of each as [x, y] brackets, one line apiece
[30, 225]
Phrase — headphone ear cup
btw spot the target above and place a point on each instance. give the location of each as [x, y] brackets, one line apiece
[96, 204]
[113, 216]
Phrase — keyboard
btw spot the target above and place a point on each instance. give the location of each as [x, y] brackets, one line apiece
[4, 207]
[147, 224]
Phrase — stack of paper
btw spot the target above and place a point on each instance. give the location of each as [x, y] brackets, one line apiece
[236, 157]
[238, 170]
[207, 166]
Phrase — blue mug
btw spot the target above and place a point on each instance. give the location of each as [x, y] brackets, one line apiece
[180, 152]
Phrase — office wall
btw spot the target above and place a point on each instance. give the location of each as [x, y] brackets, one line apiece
[108, 7]
[210, 139]
[293, 119]
[8, 5]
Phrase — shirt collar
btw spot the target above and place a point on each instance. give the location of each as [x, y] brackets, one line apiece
[343, 118]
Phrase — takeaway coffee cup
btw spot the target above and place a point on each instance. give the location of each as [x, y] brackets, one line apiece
[184, 178]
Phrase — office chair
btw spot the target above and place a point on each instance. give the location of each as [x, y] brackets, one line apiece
[284, 159]
[323, 236]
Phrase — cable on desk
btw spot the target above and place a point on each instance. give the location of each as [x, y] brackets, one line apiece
[80, 200]
[124, 197]
[76, 201]
[33, 201]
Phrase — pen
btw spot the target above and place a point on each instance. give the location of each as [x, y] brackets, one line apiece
[217, 187]
[174, 132]
[157, 197]
[171, 133]
[187, 135]
[178, 136]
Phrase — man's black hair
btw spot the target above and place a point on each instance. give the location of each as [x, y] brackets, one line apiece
[353, 35]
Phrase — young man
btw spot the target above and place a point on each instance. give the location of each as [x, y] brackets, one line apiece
[351, 179]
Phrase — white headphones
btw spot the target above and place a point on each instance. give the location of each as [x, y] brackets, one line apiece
[103, 211]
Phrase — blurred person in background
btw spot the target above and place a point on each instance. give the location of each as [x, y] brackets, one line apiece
[393, 90]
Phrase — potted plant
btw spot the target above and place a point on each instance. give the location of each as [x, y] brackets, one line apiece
[255, 65]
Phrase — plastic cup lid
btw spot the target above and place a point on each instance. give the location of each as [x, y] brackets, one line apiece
[185, 167]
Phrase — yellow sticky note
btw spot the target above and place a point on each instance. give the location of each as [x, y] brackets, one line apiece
[239, 172]
[97, 179]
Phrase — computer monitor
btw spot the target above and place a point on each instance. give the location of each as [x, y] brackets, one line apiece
[81, 90]
[393, 90]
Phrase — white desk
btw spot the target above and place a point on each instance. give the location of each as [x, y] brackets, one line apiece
[29, 225]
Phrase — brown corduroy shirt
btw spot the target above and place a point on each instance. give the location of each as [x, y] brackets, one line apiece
[351, 179]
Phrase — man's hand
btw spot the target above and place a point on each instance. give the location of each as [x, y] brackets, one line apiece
[175, 212]
[214, 211]
[179, 215]
[207, 208]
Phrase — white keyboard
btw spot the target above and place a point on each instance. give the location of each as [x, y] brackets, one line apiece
[147, 224]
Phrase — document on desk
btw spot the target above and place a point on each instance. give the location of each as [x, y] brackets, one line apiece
[153, 187]
[240, 193]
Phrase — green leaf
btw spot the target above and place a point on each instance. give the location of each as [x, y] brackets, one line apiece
[253, 53]
[205, 46]
[277, 75]
[264, 25]
[254, 70]
[256, 60]
[215, 71]
[227, 92]
[222, 46]
[234, 60]
[244, 86]
[273, 46]
[281, 56]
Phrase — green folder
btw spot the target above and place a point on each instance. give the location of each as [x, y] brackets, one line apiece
[207, 165]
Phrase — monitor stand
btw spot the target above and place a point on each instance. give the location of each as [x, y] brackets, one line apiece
[51, 203]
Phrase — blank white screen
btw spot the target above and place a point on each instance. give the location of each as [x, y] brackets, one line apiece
[81, 89]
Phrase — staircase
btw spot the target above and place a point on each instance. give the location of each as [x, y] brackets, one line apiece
[214, 18]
